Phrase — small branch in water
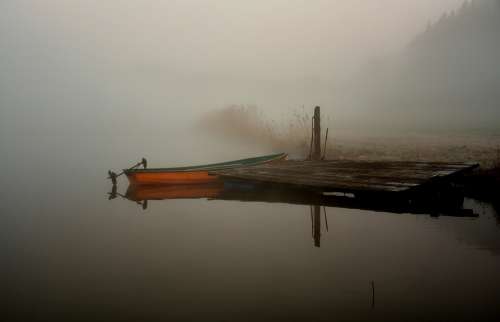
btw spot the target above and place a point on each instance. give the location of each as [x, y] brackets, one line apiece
[373, 294]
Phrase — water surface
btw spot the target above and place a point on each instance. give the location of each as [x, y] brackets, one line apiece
[69, 253]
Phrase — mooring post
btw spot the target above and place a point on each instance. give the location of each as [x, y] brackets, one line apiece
[316, 155]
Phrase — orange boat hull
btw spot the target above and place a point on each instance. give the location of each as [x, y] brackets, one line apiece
[154, 178]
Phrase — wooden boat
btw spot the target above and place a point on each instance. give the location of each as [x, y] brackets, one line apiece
[194, 174]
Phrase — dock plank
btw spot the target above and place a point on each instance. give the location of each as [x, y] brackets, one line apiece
[349, 176]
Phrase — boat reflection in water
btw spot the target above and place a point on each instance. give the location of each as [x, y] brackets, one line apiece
[254, 192]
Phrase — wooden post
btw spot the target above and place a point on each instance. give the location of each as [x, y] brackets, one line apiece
[316, 155]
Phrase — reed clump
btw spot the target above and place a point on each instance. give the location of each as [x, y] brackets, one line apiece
[246, 124]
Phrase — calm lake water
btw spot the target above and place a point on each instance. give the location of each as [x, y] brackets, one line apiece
[69, 253]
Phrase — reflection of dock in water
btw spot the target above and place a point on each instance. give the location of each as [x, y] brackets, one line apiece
[235, 191]
[377, 202]
[245, 192]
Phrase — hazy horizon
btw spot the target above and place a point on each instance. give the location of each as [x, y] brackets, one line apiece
[149, 67]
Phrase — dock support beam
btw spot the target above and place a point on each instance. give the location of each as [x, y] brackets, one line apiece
[316, 155]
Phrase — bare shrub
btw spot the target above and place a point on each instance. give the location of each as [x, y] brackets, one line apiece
[246, 124]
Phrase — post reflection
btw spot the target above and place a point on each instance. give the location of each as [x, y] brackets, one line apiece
[316, 224]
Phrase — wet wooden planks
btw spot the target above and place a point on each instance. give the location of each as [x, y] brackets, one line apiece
[349, 176]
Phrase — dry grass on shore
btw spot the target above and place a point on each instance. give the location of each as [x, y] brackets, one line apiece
[247, 125]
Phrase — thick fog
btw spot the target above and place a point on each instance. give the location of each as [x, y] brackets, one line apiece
[88, 67]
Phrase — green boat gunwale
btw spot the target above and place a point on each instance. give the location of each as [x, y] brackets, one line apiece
[214, 166]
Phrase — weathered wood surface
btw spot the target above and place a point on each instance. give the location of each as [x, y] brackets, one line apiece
[349, 176]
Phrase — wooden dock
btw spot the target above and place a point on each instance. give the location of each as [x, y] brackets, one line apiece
[360, 178]
[356, 177]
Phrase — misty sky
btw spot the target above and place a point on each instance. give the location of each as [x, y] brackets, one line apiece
[87, 66]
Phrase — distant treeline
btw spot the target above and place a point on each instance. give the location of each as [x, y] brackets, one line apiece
[449, 76]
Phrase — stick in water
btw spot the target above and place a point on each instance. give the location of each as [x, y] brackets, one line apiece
[373, 294]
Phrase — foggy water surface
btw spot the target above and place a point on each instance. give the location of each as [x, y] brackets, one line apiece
[70, 254]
